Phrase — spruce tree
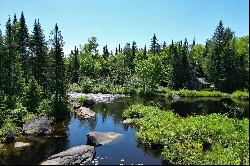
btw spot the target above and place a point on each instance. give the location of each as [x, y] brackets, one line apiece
[22, 42]
[39, 62]
[59, 86]
[155, 46]
[75, 67]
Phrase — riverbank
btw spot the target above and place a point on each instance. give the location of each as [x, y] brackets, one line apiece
[242, 95]
[212, 139]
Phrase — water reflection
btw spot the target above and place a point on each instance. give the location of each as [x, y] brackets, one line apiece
[108, 117]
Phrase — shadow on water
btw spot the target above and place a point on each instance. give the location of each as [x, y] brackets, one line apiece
[125, 150]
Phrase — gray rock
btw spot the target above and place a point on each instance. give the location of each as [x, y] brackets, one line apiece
[84, 113]
[127, 121]
[100, 138]
[21, 144]
[76, 155]
[37, 127]
[175, 97]
[1, 145]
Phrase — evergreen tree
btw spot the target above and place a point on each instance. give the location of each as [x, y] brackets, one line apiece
[215, 57]
[59, 86]
[12, 67]
[145, 52]
[39, 62]
[75, 67]
[22, 44]
[1, 61]
[164, 45]
[154, 47]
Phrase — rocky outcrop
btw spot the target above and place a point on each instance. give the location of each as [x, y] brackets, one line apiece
[76, 155]
[37, 127]
[127, 121]
[175, 97]
[100, 138]
[21, 144]
[98, 98]
[84, 113]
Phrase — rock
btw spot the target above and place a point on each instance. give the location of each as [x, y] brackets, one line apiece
[76, 155]
[127, 121]
[84, 113]
[100, 138]
[21, 144]
[37, 127]
[1, 145]
[76, 105]
[175, 97]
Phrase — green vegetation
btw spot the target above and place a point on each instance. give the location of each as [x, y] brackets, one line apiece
[32, 76]
[212, 139]
[240, 95]
[223, 61]
[194, 93]
[81, 100]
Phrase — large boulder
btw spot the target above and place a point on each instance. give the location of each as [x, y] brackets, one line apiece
[100, 138]
[37, 127]
[76, 155]
[84, 113]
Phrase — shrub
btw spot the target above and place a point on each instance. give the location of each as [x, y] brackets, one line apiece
[82, 100]
[240, 95]
[212, 139]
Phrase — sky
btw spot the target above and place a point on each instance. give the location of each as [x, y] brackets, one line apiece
[116, 22]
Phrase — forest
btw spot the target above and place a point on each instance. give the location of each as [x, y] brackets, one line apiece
[36, 76]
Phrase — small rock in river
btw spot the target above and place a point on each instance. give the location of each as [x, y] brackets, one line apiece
[21, 144]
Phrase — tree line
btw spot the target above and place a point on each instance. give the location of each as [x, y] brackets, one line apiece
[223, 61]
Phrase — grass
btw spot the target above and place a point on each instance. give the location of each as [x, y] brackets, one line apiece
[212, 139]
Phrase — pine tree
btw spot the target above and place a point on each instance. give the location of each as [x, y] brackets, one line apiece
[154, 47]
[12, 66]
[75, 67]
[215, 57]
[22, 42]
[39, 62]
[59, 86]
[164, 45]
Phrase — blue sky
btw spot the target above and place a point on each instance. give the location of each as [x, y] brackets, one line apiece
[122, 21]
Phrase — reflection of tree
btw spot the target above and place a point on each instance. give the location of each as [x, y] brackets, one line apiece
[92, 122]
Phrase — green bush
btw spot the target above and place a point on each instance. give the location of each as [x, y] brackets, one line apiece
[240, 95]
[194, 93]
[81, 100]
[212, 139]
[9, 128]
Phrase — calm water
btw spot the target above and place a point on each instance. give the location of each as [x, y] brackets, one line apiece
[108, 117]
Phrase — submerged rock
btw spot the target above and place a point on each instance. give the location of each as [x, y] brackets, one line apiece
[37, 127]
[21, 144]
[84, 113]
[127, 121]
[175, 97]
[76, 155]
[100, 138]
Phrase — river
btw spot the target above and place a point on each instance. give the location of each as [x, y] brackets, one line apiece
[125, 150]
